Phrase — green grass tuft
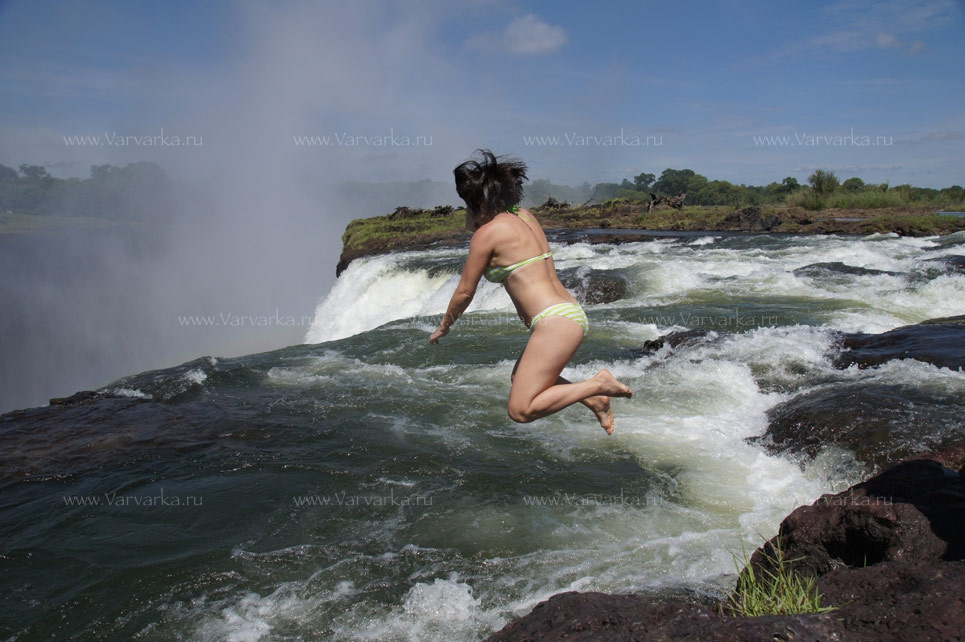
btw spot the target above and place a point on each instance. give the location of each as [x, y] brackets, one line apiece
[778, 591]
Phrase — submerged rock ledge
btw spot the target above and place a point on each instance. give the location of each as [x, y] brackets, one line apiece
[889, 555]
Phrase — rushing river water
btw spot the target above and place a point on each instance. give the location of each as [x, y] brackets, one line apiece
[369, 486]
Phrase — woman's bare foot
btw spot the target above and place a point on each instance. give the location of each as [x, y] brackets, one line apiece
[600, 405]
[611, 386]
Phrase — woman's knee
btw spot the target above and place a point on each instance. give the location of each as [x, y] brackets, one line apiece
[519, 414]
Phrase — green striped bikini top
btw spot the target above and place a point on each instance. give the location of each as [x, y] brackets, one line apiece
[498, 273]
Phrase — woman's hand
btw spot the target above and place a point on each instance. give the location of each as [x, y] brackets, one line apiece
[438, 334]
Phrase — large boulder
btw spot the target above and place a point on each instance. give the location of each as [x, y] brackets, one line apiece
[914, 511]
[675, 340]
[940, 342]
[598, 617]
[591, 287]
[871, 420]
[898, 601]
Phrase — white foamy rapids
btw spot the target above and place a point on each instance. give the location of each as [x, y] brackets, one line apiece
[380, 289]
[376, 290]
[865, 302]
[695, 410]
[440, 611]
[195, 376]
[129, 392]
[443, 610]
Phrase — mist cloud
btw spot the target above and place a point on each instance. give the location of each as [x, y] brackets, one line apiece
[260, 220]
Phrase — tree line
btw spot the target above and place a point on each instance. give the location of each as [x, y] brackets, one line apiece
[142, 191]
[823, 190]
[138, 191]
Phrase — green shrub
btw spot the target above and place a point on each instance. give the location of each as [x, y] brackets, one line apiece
[807, 198]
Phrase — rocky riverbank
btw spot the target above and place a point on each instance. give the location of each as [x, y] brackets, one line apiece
[414, 229]
[888, 553]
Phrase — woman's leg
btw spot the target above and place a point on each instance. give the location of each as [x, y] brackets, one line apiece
[536, 392]
[599, 404]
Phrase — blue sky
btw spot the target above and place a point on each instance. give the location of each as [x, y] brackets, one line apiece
[699, 85]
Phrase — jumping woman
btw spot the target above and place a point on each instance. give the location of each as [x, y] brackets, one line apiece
[509, 246]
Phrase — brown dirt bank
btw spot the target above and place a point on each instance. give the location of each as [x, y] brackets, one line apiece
[422, 229]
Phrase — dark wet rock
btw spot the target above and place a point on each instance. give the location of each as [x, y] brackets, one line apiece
[673, 339]
[837, 267]
[611, 618]
[898, 601]
[894, 602]
[940, 342]
[591, 287]
[614, 238]
[880, 424]
[912, 512]
[751, 219]
[950, 263]
[78, 398]
[888, 554]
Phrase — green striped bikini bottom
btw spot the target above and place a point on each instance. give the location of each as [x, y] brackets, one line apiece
[572, 311]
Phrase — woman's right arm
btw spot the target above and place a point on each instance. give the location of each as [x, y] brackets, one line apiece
[480, 253]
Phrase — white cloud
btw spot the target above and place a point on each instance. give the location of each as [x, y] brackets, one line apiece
[855, 25]
[945, 134]
[530, 35]
[886, 40]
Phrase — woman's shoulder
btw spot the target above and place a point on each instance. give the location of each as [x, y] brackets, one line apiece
[507, 224]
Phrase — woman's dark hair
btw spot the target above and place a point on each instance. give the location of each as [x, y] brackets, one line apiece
[489, 186]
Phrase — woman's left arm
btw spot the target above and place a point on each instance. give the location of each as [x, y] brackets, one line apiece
[480, 252]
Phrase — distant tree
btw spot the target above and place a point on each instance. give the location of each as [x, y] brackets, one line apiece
[605, 191]
[773, 192]
[954, 194]
[8, 174]
[34, 171]
[643, 181]
[823, 181]
[790, 184]
[100, 172]
[721, 193]
[853, 185]
[674, 181]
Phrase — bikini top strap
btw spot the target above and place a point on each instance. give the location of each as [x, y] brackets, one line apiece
[523, 215]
